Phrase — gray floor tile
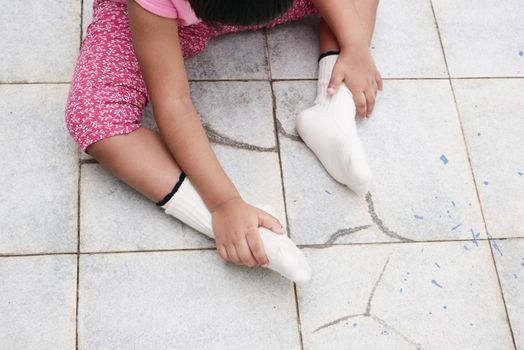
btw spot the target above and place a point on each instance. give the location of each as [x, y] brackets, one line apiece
[293, 49]
[37, 302]
[40, 40]
[510, 265]
[405, 41]
[183, 300]
[39, 171]
[403, 296]
[231, 56]
[482, 38]
[491, 112]
[422, 187]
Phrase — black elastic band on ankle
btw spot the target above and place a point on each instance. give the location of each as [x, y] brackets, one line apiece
[327, 53]
[173, 191]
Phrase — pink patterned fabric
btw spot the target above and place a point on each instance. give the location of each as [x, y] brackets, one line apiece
[108, 94]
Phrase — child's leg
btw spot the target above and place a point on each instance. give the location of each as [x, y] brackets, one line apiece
[105, 103]
[328, 127]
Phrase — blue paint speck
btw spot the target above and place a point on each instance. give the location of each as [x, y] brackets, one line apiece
[327, 191]
[453, 203]
[354, 324]
[475, 236]
[437, 265]
[436, 283]
[444, 159]
[466, 247]
[455, 227]
[418, 217]
[486, 182]
[520, 173]
[494, 244]
[521, 53]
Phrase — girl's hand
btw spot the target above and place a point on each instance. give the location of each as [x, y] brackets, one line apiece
[235, 225]
[356, 67]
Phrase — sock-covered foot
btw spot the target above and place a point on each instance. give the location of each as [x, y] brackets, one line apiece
[284, 257]
[329, 129]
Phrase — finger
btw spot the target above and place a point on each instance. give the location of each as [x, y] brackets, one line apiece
[257, 246]
[370, 101]
[270, 222]
[221, 249]
[380, 83]
[244, 253]
[336, 79]
[360, 104]
[233, 256]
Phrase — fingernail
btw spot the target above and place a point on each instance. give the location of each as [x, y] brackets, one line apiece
[330, 90]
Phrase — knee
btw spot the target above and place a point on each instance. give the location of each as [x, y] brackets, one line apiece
[90, 117]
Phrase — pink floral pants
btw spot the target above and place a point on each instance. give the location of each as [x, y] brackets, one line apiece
[108, 94]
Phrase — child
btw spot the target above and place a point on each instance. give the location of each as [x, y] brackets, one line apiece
[133, 53]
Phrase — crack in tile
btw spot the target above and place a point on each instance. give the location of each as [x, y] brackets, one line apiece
[380, 224]
[216, 137]
[339, 234]
[284, 133]
[367, 313]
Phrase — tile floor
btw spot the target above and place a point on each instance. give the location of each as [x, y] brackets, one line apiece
[431, 258]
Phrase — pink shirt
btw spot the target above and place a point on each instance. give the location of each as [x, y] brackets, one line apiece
[179, 9]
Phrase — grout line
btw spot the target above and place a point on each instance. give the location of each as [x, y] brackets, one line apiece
[464, 140]
[279, 80]
[308, 245]
[277, 141]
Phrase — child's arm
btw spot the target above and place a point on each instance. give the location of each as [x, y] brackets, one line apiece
[355, 64]
[235, 223]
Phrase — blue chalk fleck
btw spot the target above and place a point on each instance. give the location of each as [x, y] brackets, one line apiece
[444, 307]
[521, 53]
[515, 275]
[354, 324]
[437, 265]
[494, 243]
[444, 159]
[327, 191]
[486, 182]
[436, 283]
[400, 290]
[466, 247]
[520, 173]
[407, 272]
[418, 217]
[475, 236]
[453, 203]
[455, 227]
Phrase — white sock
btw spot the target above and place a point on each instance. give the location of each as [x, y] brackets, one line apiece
[329, 129]
[284, 257]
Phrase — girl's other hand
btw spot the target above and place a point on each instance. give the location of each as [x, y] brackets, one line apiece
[356, 67]
[235, 226]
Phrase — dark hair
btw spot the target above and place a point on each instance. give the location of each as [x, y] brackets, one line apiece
[239, 12]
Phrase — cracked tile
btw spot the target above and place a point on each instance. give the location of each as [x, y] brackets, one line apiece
[241, 111]
[482, 38]
[405, 42]
[40, 40]
[369, 296]
[491, 113]
[231, 56]
[185, 300]
[37, 302]
[510, 265]
[38, 191]
[422, 199]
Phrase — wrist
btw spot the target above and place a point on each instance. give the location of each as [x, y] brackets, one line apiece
[224, 200]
